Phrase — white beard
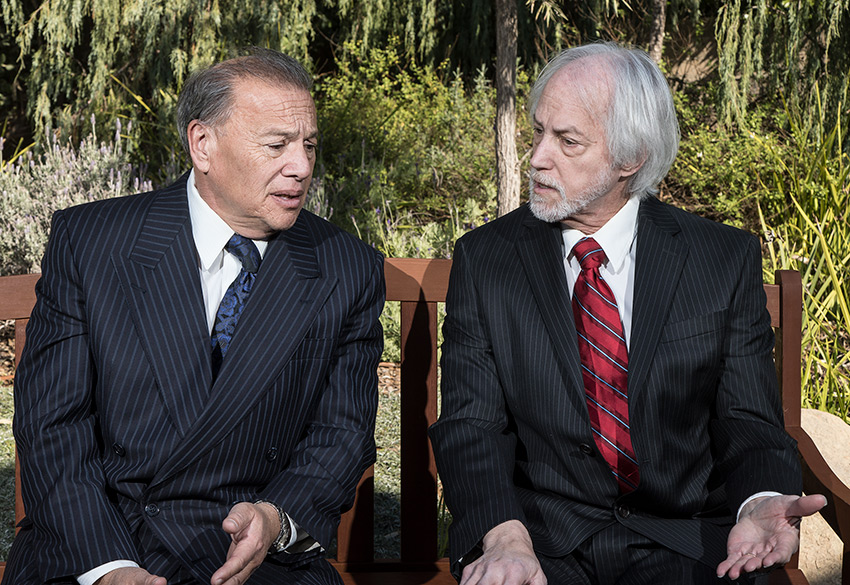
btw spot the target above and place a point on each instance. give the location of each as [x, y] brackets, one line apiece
[552, 211]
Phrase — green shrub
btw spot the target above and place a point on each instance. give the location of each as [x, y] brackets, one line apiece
[718, 172]
[402, 148]
[807, 228]
[33, 186]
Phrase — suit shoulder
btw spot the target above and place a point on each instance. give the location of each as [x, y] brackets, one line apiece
[117, 212]
[334, 240]
[504, 229]
[694, 227]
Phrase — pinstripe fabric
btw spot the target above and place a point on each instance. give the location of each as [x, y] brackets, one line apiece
[128, 450]
[616, 555]
[514, 438]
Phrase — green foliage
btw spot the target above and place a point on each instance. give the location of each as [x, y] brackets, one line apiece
[808, 229]
[404, 154]
[7, 466]
[129, 59]
[718, 170]
[791, 46]
[33, 187]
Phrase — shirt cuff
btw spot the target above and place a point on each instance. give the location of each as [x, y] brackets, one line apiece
[751, 498]
[89, 577]
[299, 541]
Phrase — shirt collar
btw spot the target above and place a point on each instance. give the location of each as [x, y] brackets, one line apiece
[615, 237]
[210, 232]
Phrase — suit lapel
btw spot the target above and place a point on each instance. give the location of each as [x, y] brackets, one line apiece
[162, 285]
[658, 266]
[287, 296]
[539, 247]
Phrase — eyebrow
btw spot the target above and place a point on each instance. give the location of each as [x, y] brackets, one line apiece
[286, 134]
[571, 130]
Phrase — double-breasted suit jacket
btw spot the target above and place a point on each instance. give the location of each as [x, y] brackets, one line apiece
[128, 448]
[514, 438]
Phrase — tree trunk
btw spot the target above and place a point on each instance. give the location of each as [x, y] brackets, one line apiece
[507, 165]
[656, 33]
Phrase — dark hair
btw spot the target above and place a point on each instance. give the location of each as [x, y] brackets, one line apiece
[208, 94]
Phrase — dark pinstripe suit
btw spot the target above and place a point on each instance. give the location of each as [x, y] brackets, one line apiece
[514, 439]
[128, 451]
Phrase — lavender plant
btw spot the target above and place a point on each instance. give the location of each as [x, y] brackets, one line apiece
[33, 186]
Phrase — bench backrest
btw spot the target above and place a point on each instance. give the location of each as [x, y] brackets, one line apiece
[419, 285]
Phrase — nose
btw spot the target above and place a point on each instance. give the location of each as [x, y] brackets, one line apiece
[299, 163]
[540, 154]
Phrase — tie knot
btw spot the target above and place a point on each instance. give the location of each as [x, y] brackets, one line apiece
[589, 253]
[246, 251]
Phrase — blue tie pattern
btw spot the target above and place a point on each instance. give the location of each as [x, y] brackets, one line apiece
[235, 298]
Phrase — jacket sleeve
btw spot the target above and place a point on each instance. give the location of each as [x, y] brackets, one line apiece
[753, 451]
[55, 427]
[474, 451]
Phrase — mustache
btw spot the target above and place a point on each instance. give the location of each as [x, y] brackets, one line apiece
[545, 180]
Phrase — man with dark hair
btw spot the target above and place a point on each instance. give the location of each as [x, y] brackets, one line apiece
[197, 394]
[610, 411]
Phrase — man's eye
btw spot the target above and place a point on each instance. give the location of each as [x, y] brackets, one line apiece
[276, 146]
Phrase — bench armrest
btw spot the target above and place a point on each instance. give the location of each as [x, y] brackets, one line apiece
[818, 478]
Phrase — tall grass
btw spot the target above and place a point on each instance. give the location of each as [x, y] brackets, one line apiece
[807, 229]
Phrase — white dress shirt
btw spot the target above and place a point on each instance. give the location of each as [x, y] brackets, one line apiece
[617, 239]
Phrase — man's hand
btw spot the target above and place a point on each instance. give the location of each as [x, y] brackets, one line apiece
[130, 576]
[508, 559]
[253, 528]
[767, 533]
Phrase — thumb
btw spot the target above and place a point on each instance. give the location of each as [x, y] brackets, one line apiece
[807, 505]
[238, 518]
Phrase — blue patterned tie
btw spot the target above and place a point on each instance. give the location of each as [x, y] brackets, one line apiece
[235, 298]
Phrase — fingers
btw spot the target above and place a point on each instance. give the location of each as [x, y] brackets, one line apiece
[806, 505]
[502, 572]
[738, 563]
[238, 518]
[250, 533]
[130, 576]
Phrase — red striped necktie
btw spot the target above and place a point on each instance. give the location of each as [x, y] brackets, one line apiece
[604, 364]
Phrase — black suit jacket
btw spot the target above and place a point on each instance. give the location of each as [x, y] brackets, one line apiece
[128, 449]
[514, 438]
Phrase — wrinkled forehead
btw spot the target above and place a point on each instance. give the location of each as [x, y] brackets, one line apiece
[587, 81]
[254, 97]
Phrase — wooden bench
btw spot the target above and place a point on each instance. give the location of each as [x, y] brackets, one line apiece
[420, 285]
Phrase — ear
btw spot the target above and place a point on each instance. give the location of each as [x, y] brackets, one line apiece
[201, 144]
[629, 169]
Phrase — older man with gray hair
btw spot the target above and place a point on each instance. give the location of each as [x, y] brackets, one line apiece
[610, 409]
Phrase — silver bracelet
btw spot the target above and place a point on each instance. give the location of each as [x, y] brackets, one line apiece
[285, 530]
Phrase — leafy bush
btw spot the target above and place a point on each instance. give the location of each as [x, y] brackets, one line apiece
[402, 148]
[718, 172]
[807, 228]
[33, 187]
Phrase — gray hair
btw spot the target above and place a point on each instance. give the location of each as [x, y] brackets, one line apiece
[640, 124]
[208, 94]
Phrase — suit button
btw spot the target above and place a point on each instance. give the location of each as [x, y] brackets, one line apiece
[118, 449]
[586, 449]
[271, 454]
[623, 511]
[151, 510]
